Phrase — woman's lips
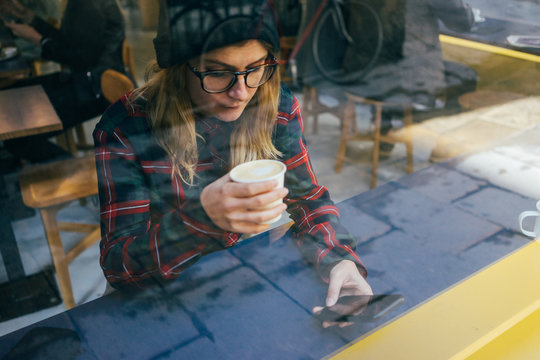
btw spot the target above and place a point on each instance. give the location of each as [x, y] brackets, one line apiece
[232, 106]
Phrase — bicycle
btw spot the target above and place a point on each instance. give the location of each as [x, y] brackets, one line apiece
[331, 40]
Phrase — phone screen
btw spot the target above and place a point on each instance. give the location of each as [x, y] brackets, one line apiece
[361, 308]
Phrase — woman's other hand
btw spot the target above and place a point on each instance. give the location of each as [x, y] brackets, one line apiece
[235, 206]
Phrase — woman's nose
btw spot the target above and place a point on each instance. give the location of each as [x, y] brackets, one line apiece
[239, 90]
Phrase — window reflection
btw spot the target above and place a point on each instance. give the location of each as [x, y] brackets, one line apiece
[421, 83]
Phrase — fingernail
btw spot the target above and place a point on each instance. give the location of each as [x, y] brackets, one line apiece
[331, 301]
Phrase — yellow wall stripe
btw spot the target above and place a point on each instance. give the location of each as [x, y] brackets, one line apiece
[464, 319]
[488, 48]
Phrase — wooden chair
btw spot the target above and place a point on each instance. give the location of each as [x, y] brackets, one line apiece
[50, 187]
[350, 132]
[286, 45]
[312, 107]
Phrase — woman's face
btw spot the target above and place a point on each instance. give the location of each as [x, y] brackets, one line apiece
[230, 104]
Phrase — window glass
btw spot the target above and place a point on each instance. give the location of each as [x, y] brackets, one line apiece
[405, 133]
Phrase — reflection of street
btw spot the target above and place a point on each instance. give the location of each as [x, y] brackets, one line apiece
[524, 11]
[501, 143]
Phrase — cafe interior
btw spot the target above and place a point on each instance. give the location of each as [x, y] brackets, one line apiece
[427, 139]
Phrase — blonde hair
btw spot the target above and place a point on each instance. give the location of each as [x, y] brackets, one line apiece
[169, 107]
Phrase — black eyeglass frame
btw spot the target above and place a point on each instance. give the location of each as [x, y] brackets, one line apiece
[271, 63]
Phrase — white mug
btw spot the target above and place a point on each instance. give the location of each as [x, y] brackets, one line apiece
[258, 171]
[536, 230]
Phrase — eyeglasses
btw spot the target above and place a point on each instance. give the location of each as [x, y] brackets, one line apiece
[214, 82]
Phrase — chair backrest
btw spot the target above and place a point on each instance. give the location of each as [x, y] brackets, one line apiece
[114, 85]
[128, 59]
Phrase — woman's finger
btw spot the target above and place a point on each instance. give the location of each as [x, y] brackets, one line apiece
[266, 199]
[317, 310]
[240, 190]
[257, 216]
[249, 228]
[256, 202]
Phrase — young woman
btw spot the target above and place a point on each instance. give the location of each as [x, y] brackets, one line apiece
[164, 153]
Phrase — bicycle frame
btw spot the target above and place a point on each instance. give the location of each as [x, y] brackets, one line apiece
[291, 61]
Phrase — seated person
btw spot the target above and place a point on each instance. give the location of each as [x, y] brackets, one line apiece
[88, 42]
[164, 153]
[48, 10]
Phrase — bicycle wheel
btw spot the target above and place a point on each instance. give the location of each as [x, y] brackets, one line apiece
[331, 47]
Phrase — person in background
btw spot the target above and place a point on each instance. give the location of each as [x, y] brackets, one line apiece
[48, 10]
[88, 42]
[164, 152]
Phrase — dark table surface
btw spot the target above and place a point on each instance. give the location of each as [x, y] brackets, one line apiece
[417, 236]
[15, 66]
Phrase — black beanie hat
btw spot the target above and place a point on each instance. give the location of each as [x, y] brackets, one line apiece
[189, 28]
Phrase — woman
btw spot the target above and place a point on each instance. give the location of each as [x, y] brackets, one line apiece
[164, 152]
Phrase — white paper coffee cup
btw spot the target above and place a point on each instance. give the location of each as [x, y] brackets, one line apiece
[259, 171]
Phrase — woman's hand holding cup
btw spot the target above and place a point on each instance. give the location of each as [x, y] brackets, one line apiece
[246, 204]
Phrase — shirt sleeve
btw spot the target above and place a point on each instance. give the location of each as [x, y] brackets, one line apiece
[141, 246]
[113, 36]
[56, 47]
[321, 237]
[72, 46]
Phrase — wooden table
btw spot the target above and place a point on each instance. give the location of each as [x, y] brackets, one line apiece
[26, 111]
[418, 236]
[23, 111]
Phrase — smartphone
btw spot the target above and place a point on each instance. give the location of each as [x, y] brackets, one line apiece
[360, 308]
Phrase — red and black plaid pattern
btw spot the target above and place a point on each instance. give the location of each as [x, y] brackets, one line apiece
[153, 225]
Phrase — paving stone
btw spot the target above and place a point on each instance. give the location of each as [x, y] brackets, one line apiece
[200, 348]
[527, 152]
[494, 248]
[411, 267]
[281, 264]
[503, 171]
[497, 205]
[60, 322]
[429, 220]
[221, 306]
[140, 317]
[441, 184]
[357, 222]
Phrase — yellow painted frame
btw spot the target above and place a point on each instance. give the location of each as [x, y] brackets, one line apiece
[476, 317]
[446, 39]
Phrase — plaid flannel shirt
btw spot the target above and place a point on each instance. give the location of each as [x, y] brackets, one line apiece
[153, 225]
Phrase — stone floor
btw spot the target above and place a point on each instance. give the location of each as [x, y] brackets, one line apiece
[506, 150]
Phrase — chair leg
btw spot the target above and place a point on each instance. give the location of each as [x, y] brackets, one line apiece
[407, 121]
[58, 254]
[81, 137]
[376, 143]
[348, 118]
[315, 109]
[70, 140]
